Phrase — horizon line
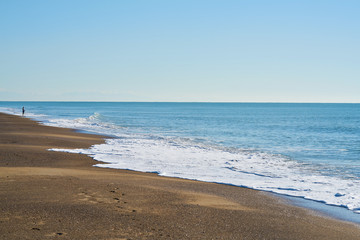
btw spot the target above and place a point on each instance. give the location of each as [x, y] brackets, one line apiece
[89, 101]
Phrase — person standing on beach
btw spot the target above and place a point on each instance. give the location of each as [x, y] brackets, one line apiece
[23, 111]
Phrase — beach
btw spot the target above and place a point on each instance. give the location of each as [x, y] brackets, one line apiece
[46, 195]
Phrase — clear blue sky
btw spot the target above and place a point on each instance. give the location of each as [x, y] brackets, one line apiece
[179, 50]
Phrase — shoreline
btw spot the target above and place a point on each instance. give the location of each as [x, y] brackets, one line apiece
[46, 194]
[331, 211]
[318, 208]
[321, 208]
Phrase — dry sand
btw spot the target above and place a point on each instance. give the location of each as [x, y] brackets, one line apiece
[54, 195]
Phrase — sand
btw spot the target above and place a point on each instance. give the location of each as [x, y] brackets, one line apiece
[55, 195]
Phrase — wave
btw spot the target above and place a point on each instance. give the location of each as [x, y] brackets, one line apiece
[200, 160]
[94, 123]
[18, 112]
[258, 170]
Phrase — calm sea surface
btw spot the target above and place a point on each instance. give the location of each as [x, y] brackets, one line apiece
[305, 150]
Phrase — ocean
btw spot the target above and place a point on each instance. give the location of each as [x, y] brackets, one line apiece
[305, 150]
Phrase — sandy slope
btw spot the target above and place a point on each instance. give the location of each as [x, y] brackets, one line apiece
[54, 195]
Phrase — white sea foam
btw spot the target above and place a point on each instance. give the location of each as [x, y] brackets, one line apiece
[186, 158]
[18, 112]
[94, 123]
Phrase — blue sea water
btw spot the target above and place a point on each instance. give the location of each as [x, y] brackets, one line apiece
[304, 150]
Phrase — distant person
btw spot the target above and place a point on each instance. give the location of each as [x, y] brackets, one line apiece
[23, 111]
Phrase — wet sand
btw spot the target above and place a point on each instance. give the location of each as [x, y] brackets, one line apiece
[55, 195]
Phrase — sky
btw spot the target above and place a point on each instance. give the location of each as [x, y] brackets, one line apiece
[180, 50]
